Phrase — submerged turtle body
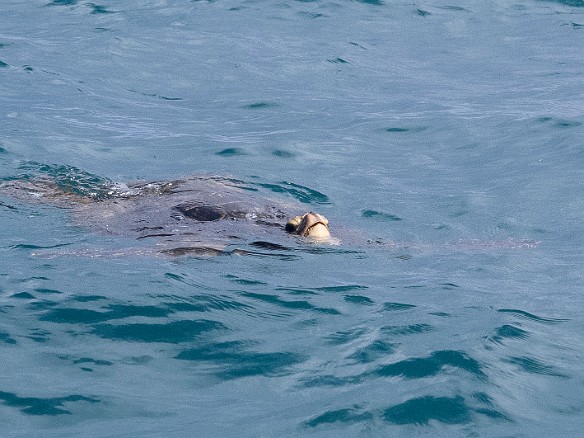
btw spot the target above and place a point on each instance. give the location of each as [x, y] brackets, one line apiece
[201, 214]
[193, 212]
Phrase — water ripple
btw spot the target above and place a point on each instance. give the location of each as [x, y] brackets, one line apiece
[406, 330]
[532, 317]
[345, 336]
[73, 315]
[370, 353]
[42, 406]
[232, 360]
[397, 306]
[301, 193]
[294, 305]
[416, 368]
[508, 331]
[204, 303]
[354, 414]
[421, 410]
[173, 332]
[418, 411]
[6, 338]
[534, 366]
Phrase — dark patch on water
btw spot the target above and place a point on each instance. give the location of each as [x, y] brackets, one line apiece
[232, 360]
[421, 410]
[298, 291]
[559, 123]
[508, 331]
[380, 215]
[301, 193]
[311, 15]
[23, 296]
[3, 65]
[269, 246]
[358, 299]
[41, 305]
[423, 13]
[416, 411]
[357, 45]
[401, 129]
[573, 3]
[231, 152]
[454, 8]
[260, 105]
[343, 288]
[281, 153]
[38, 335]
[6, 338]
[126, 311]
[47, 291]
[351, 415]
[417, 368]
[28, 246]
[295, 305]
[84, 361]
[372, 2]
[440, 314]
[93, 361]
[63, 3]
[98, 9]
[70, 315]
[88, 298]
[338, 61]
[449, 286]
[173, 332]
[397, 306]
[42, 406]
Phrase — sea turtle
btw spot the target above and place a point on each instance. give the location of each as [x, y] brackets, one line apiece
[197, 215]
[205, 215]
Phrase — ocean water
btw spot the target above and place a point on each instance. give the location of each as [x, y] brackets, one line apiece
[442, 140]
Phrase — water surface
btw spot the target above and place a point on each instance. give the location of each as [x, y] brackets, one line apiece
[442, 137]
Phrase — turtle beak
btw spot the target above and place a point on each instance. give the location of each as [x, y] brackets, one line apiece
[309, 225]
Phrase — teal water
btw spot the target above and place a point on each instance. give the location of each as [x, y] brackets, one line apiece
[440, 139]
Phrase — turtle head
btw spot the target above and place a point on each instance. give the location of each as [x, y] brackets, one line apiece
[309, 225]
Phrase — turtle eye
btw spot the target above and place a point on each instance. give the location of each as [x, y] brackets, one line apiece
[293, 224]
[290, 227]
